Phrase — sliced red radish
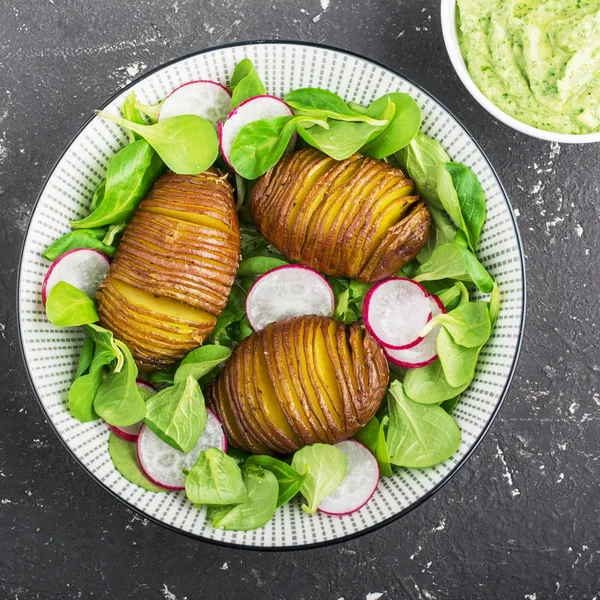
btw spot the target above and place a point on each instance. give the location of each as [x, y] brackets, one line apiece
[131, 432]
[206, 99]
[83, 268]
[425, 351]
[395, 311]
[253, 109]
[164, 465]
[288, 291]
[360, 483]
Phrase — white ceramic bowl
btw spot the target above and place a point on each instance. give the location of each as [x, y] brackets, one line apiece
[51, 354]
[448, 16]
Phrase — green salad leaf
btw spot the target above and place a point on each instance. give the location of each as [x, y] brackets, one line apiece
[215, 480]
[419, 435]
[82, 238]
[132, 113]
[187, 144]
[257, 510]
[201, 361]
[457, 361]
[131, 173]
[288, 479]
[98, 196]
[124, 457]
[67, 306]
[441, 232]
[421, 159]
[105, 348]
[324, 467]
[82, 394]
[118, 400]
[428, 385]
[402, 128]
[85, 357]
[372, 435]
[257, 265]
[245, 83]
[177, 414]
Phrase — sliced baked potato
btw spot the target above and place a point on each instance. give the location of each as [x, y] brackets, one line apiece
[299, 381]
[358, 218]
[174, 268]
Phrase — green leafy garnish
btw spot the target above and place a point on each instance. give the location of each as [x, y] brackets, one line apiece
[245, 83]
[201, 361]
[83, 238]
[67, 306]
[288, 479]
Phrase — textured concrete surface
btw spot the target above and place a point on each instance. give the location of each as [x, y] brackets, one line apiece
[520, 520]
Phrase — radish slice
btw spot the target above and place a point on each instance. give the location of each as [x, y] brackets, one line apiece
[164, 465]
[207, 99]
[131, 432]
[83, 268]
[425, 351]
[288, 291]
[360, 483]
[253, 109]
[395, 311]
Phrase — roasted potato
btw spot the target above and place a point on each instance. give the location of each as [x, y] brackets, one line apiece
[174, 268]
[299, 381]
[357, 218]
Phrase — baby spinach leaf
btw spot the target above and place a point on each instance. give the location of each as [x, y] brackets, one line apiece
[131, 113]
[67, 306]
[450, 261]
[114, 233]
[124, 457]
[82, 394]
[342, 139]
[441, 232]
[450, 405]
[401, 129]
[260, 144]
[494, 304]
[85, 357]
[372, 435]
[83, 238]
[245, 328]
[288, 480]
[187, 144]
[215, 480]
[131, 173]
[428, 385]
[201, 361]
[245, 83]
[468, 324]
[106, 349]
[257, 265]
[463, 199]
[177, 414]
[451, 297]
[238, 455]
[316, 102]
[325, 467]
[419, 436]
[420, 160]
[163, 375]
[457, 361]
[257, 510]
[152, 111]
[118, 400]
[98, 196]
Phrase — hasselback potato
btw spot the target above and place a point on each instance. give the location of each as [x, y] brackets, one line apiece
[174, 268]
[358, 218]
[299, 381]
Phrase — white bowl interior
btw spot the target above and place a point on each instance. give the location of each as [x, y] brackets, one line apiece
[448, 16]
[51, 353]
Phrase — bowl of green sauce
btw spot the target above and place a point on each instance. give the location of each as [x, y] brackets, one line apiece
[534, 65]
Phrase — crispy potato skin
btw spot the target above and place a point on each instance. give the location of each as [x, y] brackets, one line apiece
[183, 243]
[299, 385]
[358, 218]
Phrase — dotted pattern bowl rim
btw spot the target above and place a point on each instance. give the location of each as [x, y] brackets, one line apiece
[484, 429]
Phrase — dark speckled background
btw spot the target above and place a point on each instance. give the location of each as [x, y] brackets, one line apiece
[520, 520]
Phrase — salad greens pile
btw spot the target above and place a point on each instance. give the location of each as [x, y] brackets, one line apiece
[413, 429]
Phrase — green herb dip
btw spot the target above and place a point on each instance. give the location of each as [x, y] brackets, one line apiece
[537, 60]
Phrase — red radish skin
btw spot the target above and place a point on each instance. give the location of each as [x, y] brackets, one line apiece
[83, 268]
[253, 109]
[131, 432]
[359, 485]
[405, 358]
[288, 291]
[163, 465]
[414, 323]
[202, 97]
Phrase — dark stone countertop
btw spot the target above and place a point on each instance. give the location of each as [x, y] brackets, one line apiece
[520, 520]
